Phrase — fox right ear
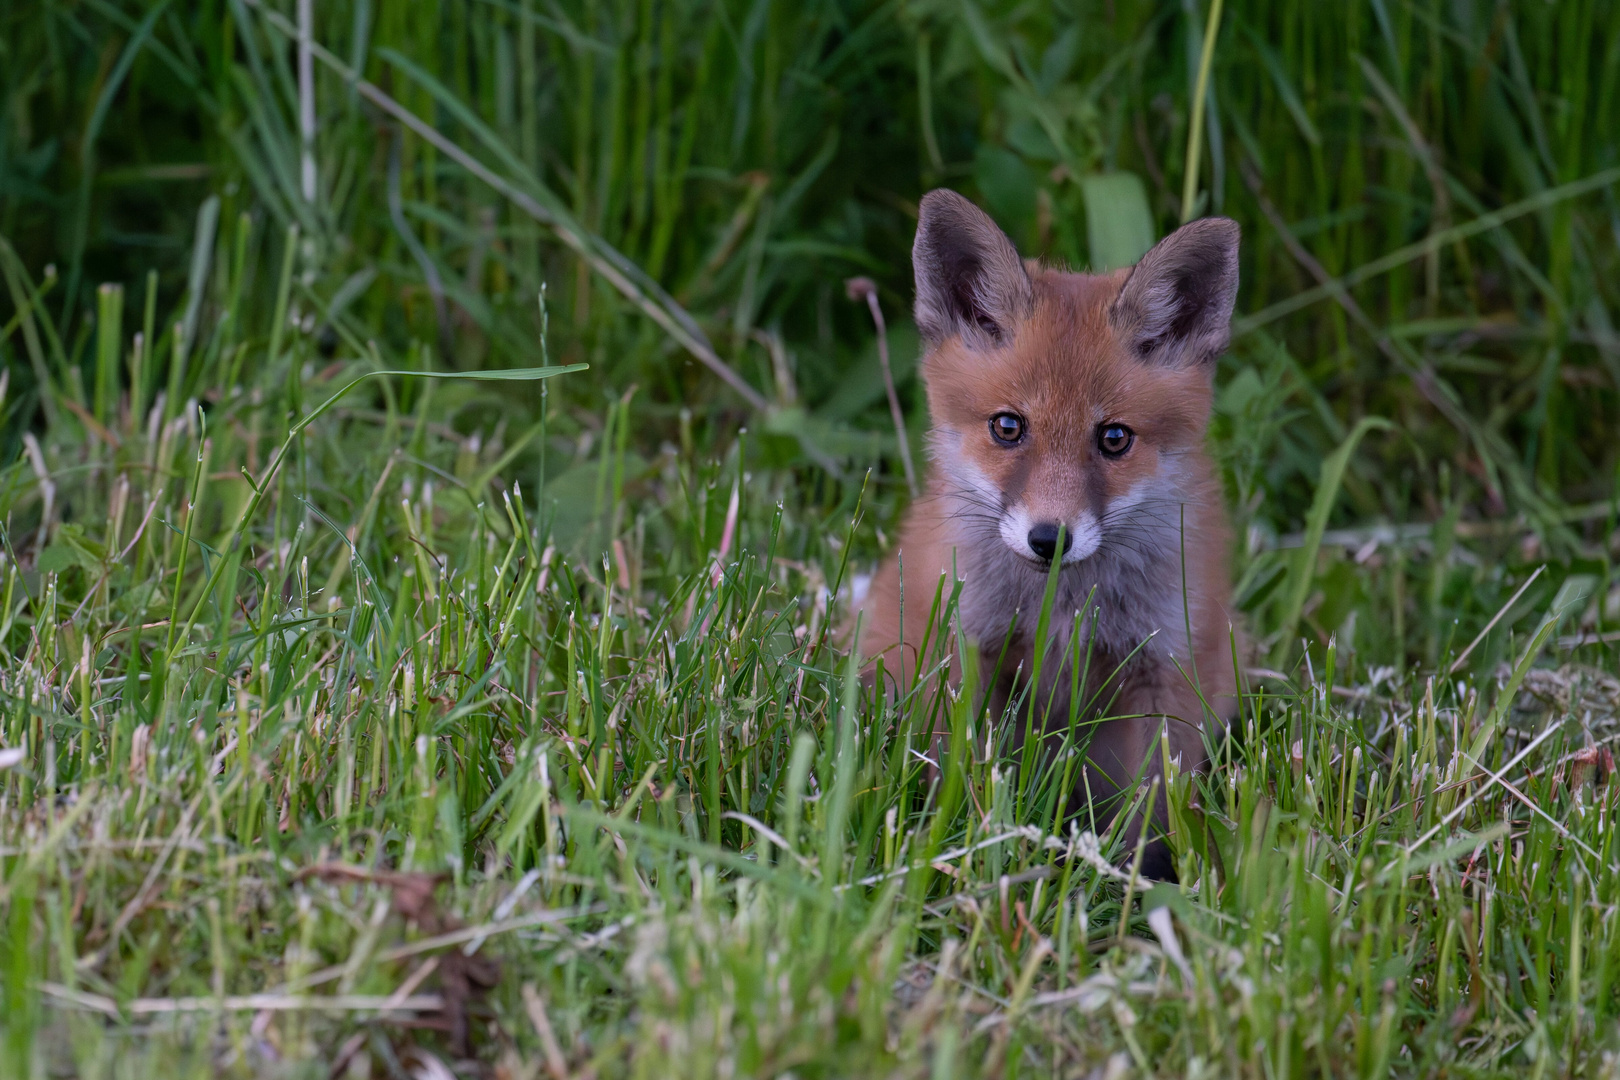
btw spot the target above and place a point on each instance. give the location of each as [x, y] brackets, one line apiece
[1175, 308]
[970, 281]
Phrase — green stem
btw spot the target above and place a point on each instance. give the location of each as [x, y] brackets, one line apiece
[1195, 130]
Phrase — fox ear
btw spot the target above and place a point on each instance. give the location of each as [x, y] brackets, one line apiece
[1176, 306]
[969, 277]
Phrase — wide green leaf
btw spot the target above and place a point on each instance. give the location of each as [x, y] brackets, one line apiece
[1119, 225]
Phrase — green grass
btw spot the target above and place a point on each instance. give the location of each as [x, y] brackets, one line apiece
[500, 723]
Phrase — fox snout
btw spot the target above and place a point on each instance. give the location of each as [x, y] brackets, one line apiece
[1044, 539]
[1041, 537]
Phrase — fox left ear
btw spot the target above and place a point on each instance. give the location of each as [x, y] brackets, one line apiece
[1175, 308]
[969, 280]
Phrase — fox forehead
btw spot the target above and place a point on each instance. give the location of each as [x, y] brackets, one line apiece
[1065, 371]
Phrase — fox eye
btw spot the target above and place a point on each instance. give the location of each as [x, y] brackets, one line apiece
[1115, 439]
[1007, 428]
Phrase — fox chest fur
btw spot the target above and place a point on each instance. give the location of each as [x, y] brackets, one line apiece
[1068, 423]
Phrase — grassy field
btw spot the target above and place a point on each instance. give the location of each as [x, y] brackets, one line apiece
[438, 450]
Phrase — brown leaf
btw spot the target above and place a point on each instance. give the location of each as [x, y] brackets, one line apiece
[413, 891]
[463, 980]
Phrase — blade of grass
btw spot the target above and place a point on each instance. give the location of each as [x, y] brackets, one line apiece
[1303, 571]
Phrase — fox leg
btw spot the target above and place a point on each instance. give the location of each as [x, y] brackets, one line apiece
[1155, 710]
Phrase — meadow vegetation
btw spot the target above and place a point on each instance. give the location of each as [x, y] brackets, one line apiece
[437, 449]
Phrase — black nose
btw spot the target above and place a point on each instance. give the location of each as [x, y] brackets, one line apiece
[1043, 540]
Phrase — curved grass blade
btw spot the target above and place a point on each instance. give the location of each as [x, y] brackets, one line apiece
[1303, 572]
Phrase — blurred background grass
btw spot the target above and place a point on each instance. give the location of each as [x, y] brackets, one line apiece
[751, 156]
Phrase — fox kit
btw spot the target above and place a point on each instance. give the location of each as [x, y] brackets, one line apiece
[1069, 413]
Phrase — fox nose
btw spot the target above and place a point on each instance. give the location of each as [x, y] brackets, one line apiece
[1043, 540]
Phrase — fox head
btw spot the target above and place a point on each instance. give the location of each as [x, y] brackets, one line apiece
[1069, 410]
